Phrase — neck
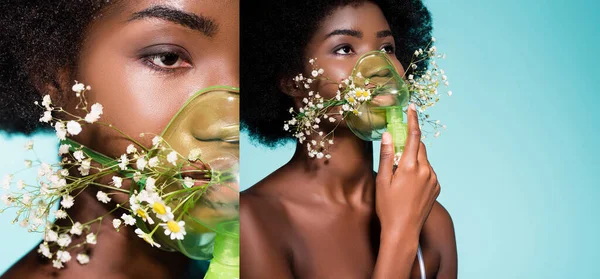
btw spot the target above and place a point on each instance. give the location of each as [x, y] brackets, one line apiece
[118, 253]
[347, 175]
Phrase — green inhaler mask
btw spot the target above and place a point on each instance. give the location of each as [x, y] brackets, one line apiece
[383, 112]
[209, 123]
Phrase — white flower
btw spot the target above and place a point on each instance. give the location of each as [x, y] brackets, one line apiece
[90, 238]
[46, 102]
[63, 149]
[123, 161]
[116, 223]
[20, 184]
[29, 145]
[175, 229]
[78, 87]
[73, 127]
[144, 215]
[76, 229]
[131, 149]
[7, 199]
[141, 163]
[61, 132]
[162, 211]
[84, 169]
[172, 158]
[44, 250]
[103, 197]
[63, 240]
[63, 256]
[128, 220]
[94, 114]
[188, 182]
[50, 236]
[195, 154]
[57, 264]
[83, 258]
[153, 162]
[156, 140]
[146, 237]
[314, 73]
[67, 201]
[47, 117]
[60, 214]
[117, 181]
[28, 163]
[450, 93]
[150, 184]
[78, 155]
[6, 181]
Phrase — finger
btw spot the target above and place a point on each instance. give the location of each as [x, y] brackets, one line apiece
[422, 156]
[386, 158]
[411, 149]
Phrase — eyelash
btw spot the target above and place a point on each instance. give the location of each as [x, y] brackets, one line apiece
[149, 60]
[336, 50]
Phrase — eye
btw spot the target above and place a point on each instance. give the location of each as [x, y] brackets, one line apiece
[167, 61]
[388, 49]
[344, 50]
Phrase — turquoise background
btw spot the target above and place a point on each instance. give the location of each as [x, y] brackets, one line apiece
[518, 159]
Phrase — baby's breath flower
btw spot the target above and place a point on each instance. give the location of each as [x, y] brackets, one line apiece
[67, 201]
[127, 219]
[116, 223]
[63, 149]
[47, 117]
[63, 240]
[44, 250]
[78, 87]
[141, 163]
[94, 114]
[117, 181]
[172, 158]
[73, 127]
[90, 238]
[76, 229]
[60, 214]
[102, 197]
[131, 149]
[83, 258]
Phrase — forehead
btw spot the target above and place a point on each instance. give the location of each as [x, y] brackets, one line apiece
[366, 17]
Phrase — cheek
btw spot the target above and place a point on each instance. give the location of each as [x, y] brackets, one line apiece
[335, 70]
[135, 100]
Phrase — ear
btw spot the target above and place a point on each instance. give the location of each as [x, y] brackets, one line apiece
[291, 87]
[58, 87]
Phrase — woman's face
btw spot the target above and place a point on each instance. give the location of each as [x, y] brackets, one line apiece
[345, 35]
[144, 59]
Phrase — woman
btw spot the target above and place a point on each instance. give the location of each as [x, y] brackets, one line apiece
[143, 60]
[335, 218]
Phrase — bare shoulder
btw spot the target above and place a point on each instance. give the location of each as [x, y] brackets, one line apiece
[438, 234]
[263, 236]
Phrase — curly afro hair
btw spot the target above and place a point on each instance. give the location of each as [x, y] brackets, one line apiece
[274, 37]
[37, 38]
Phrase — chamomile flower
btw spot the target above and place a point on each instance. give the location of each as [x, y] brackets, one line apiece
[146, 237]
[175, 230]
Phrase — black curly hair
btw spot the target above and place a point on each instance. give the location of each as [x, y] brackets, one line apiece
[37, 38]
[274, 38]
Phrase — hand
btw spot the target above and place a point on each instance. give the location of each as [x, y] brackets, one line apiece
[404, 196]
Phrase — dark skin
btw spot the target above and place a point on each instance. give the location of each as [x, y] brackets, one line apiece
[142, 64]
[336, 218]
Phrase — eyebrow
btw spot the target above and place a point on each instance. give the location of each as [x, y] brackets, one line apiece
[196, 22]
[384, 33]
[345, 32]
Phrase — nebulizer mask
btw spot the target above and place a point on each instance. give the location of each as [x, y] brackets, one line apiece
[383, 112]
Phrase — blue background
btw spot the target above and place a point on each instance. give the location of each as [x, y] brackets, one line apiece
[517, 161]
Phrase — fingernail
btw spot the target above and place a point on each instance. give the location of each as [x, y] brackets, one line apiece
[386, 138]
[412, 106]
